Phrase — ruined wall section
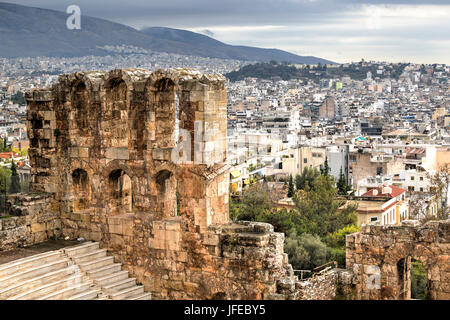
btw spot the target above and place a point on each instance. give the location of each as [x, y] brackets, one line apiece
[42, 132]
[32, 221]
[232, 261]
[330, 285]
[379, 257]
[113, 171]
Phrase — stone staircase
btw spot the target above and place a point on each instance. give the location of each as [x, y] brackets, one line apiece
[82, 272]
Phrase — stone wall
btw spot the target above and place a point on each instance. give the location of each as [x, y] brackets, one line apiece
[380, 258]
[31, 221]
[321, 287]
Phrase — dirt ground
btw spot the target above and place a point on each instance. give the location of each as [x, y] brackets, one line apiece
[19, 253]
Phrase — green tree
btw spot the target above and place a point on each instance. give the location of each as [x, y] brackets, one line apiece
[306, 179]
[326, 168]
[290, 187]
[281, 219]
[298, 182]
[336, 241]
[250, 205]
[441, 186]
[18, 98]
[419, 281]
[15, 181]
[342, 184]
[4, 146]
[306, 251]
[254, 205]
[5, 178]
[318, 209]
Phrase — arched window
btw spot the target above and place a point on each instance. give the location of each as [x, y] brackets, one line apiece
[80, 190]
[116, 113]
[164, 104]
[121, 192]
[80, 103]
[167, 193]
[412, 279]
[116, 92]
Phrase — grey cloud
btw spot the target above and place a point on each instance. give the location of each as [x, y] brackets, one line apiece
[317, 18]
[189, 14]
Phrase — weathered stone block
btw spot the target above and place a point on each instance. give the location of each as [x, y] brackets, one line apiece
[38, 227]
[79, 152]
[117, 153]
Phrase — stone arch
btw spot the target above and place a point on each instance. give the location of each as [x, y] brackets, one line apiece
[392, 249]
[187, 113]
[81, 113]
[115, 113]
[121, 192]
[117, 96]
[166, 185]
[162, 100]
[80, 190]
[404, 276]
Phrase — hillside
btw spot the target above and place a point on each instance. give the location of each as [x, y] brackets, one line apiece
[213, 48]
[355, 71]
[27, 31]
[265, 71]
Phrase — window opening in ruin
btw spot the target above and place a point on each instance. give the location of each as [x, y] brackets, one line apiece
[167, 193]
[121, 190]
[419, 281]
[36, 124]
[117, 97]
[165, 103]
[413, 279]
[404, 282]
[80, 190]
[81, 106]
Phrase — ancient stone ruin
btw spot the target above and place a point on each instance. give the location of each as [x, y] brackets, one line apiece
[136, 161]
[380, 259]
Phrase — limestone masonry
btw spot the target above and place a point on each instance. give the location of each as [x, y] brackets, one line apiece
[136, 161]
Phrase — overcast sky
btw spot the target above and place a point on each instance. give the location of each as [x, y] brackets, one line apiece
[339, 30]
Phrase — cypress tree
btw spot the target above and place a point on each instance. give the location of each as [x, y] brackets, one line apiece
[15, 183]
[326, 168]
[342, 184]
[290, 187]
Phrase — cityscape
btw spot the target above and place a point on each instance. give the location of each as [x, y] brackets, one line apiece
[303, 181]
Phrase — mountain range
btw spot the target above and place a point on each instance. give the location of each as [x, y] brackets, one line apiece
[29, 32]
